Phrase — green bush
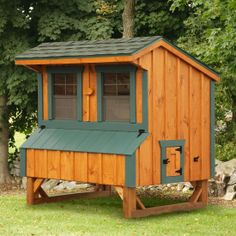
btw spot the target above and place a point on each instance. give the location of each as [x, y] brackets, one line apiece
[226, 152]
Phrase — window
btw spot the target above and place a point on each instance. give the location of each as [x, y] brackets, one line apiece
[64, 96]
[116, 96]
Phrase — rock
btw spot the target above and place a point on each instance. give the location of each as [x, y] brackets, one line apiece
[24, 183]
[186, 189]
[232, 179]
[83, 186]
[50, 184]
[229, 196]
[224, 169]
[216, 188]
[180, 186]
[71, 185]
[231, 189]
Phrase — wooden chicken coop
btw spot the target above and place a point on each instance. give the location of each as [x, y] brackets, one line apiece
[122, 113]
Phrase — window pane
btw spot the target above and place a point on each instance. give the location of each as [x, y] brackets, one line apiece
[109, 78]
[71, 90]
[64, 107]
[70, 79]
[58, 78]
[116, 99]
[123, 78]
[116, 108]
[109, 90]
[64, 96]
[59, 89]
[123, 89]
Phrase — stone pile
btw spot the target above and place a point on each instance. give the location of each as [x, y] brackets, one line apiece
[224, 183]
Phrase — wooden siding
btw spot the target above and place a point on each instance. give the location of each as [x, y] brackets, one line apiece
[89, 93]
[85, 167]
[179, 108]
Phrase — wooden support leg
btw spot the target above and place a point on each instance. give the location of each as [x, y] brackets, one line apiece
[129, 201]
[204, 196]
[200, 193]
[30, 191]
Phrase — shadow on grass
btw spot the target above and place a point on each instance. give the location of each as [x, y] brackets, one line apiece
[103, 206]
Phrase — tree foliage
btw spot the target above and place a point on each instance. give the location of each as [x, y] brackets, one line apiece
[211, 36]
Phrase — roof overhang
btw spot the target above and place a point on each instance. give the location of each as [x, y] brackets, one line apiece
[35, 64]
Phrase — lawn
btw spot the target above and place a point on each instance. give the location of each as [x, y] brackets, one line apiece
[104, 217]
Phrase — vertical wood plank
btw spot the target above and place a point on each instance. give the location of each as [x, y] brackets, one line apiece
[85, 85]
[158, 110]
[40, 163]
[81, 162]
[53, 158]
[195, 117]
[67, 165]
[183, 131]
[93, 97]
[45, 93]
[146, 162]
[30, 163]
[205, 128]
[170, 96]
[120, 170]
[109, 169]
[139, 96]
[94, 168]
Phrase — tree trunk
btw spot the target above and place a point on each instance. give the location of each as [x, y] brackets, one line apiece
[128, 19]
[5, 177]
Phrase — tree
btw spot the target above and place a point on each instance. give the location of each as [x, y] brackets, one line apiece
[128, 18]
[211, 36]
[26, 23]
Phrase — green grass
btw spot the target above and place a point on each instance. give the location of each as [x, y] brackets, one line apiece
[104, 217]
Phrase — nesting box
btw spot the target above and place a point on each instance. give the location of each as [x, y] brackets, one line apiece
[122, 113]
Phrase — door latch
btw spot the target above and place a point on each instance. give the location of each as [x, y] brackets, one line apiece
[195, 159]
[166, 161]
[179, 171]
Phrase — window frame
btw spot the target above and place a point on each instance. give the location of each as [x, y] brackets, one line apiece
[89, 125]
[131, 69]
[79, 102]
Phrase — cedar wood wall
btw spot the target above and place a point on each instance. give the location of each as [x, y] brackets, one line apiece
[179, 108]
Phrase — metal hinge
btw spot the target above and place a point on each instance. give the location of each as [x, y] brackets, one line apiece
[179, 149]
[179, 171]
[166, 161]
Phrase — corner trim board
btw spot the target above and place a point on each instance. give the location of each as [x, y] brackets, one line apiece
[130, 170]
[212, 128]
[22, 162]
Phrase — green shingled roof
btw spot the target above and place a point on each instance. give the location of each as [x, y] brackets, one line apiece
[93, 48]
[94, 141]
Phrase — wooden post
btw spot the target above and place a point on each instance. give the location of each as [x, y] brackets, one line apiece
[129, 201]
[204, 196]
[30, 191]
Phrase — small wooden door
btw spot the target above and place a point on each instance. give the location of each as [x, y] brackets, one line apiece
[173, 166]
[172, 161]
